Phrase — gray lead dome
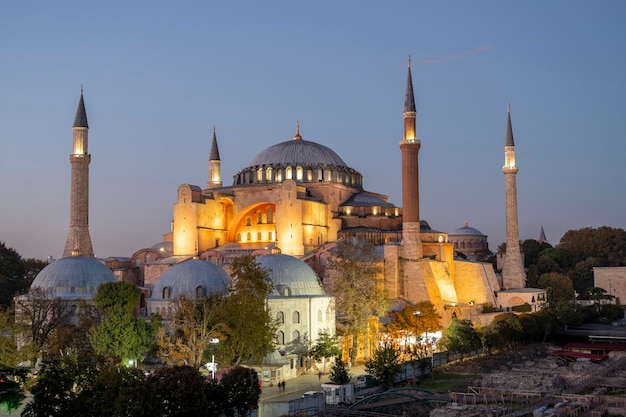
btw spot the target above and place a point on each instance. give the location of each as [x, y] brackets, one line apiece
[193, 279]
[73, 276]
[291, 276]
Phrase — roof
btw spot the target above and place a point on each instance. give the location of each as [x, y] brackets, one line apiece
[298, 152]
[365, 200]
[214, 155]
[73, 276]
[186, 277]
[466, 231]
[81, 115]
[409, 99]
[509, 129]
[290, 276]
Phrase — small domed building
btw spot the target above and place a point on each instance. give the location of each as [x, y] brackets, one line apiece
[298, 301]
[72, 279]
[194, 279]
[468, 240]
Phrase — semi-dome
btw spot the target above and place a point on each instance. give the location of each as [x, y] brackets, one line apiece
[291, 276]
[300, 160]
[73, 276]
[194, 279]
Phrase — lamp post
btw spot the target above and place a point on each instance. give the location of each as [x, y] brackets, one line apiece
[213, 342]
[416, 314]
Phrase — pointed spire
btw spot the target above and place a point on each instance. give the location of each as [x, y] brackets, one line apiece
[542, 236]
[81, 115]
[409, 100]
[214, 155]
[509, 128]
[297, 136]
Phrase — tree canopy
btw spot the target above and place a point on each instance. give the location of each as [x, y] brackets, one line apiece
[461, 337]
[384, 365]
[249, 329]
[359, 294]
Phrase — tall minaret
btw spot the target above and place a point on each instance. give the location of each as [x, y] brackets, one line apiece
[410, 147]
[513, 270]
[78, 240]
[215, 176]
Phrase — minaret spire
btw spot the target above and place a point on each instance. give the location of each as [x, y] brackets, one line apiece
[215, 176]
[513, 275]
[78, 239]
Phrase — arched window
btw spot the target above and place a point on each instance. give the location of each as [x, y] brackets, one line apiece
[166, 293]
[269, 236]
[286, 293]
[199, 292]
[295, 336]
[268, 174]
[248, 236]
[259, 175]
[258, 236]
[269, 213]
[248, 221]
[259, 218]
[288, 173]
[279, 175]
[238, 237]
[280, 316]
[295, 317]
[299, 173]
[319, 315]
[280, 336]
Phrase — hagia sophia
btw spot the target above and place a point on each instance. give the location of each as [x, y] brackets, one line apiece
[289, 207]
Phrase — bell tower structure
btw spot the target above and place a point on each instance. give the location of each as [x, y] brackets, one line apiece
[78, 239]
[409, 148]
[513, 275]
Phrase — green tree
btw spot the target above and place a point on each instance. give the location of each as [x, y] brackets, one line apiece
[606, 244]
[531, 249]
[122, 336]
[194, 326]
[384, 365]
[461, 337]
[13, 279]
[532, 277]
[558, 288]
[217, 399]
[508, 328]
[326, 346]
[249, 329]
[339, 374]
[180, 391]
[562, 256]
[56, 389]
[582, 275]
[358, 292]
[242, 388]
[117, 392]
[546, 264]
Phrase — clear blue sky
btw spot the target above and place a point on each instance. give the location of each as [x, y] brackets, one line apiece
[158, 75]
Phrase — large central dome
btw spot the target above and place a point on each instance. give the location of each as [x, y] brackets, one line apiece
[298, 152]
[300, 160]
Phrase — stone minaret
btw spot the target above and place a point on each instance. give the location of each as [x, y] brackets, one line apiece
[215, 176]
[78, 240]
[513, 270]
[410, 147]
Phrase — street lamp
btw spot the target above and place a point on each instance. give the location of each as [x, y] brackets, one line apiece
[213, 342]
[416, 314]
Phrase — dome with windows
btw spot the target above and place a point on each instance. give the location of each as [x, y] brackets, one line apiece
[300, 160]
[194, 279]
[290, 276]
[73, 277]
[466, 231]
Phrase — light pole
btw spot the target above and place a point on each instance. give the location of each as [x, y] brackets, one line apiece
[213, 342]
[416, 314]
